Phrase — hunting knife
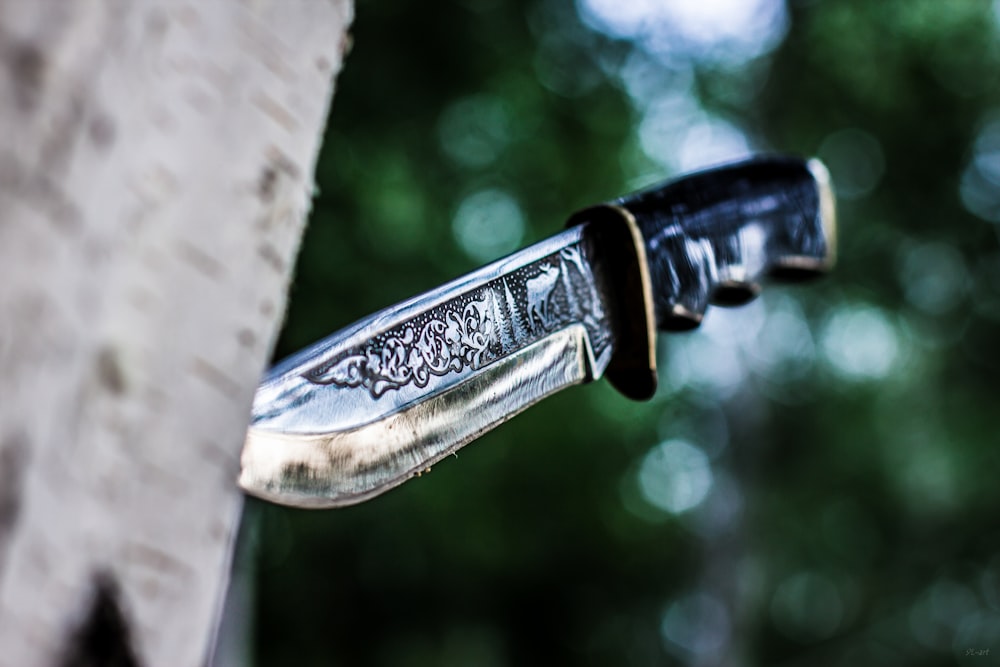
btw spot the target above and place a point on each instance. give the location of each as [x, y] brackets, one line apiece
[380, 401]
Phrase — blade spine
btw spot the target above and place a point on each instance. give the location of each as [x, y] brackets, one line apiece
[575, 340]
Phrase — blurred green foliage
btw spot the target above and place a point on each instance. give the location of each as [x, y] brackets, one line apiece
[834, 495]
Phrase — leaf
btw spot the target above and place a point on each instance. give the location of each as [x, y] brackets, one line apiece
[348, 372]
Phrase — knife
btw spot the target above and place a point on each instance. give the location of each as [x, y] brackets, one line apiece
[380, 401]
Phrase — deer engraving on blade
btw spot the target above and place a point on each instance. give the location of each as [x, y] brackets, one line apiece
[539, 290]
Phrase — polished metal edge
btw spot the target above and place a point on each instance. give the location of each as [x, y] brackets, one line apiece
[348, 467]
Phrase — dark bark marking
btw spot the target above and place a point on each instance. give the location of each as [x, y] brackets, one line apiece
[157, 560]
[109, 371]
[282, 163]
[141, 299]
[271, 256]
[246, 338]
[278, 164]
[198, 98]
[104, 639]
[200, 260]
[215, 377]
[68, 125]
[157, 23]
[276, 111]
[13, 461]
[226, 460]
[216, 453]
[101, 130]
[266, 184]
[188, 16]
[27, 66]
[220, 529]
[41, 191]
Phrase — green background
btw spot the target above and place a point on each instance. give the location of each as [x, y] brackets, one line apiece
[816, 482]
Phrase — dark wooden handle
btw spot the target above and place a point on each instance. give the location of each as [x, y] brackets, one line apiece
[710, 237]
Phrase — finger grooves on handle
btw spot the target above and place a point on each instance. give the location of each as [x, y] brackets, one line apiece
[712, 237]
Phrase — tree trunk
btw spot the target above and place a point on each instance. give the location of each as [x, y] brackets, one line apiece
[156, 162]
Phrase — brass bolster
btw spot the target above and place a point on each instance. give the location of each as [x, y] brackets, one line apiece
[632, 368]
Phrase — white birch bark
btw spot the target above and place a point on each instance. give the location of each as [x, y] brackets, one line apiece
[156, 161]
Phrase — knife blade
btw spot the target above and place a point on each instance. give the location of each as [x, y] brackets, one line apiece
[382, 400]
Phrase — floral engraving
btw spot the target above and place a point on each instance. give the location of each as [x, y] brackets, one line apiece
[460, 339]
[473, 329]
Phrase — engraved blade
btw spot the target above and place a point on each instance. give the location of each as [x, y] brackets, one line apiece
[382, 400]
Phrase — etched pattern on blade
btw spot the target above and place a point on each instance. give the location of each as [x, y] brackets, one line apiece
[477, 327]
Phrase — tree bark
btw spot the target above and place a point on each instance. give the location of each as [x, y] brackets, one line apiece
[156, 161]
